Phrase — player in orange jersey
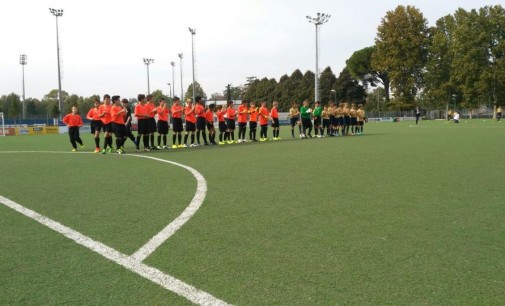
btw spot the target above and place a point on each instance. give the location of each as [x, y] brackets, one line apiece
[96, 123]
[104, 114]
[253, 121]
[242, 121]
[231, 113]
[220, 112]
[162, 124]
[200, 121]
[274, 114]
[142, 115]
[151, 122]
[177, 128]
[118, 113]
[74, 122]
[263, 114]
[209, 119]
[189, 113]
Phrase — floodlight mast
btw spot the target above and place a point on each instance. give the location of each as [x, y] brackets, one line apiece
[173, 80]
[58, 13]
[180, 66]
[317, 21]
[193, 33]
[23, 61]
[148, 61]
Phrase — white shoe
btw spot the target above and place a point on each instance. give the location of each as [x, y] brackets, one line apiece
[184, 145]
[193, 145]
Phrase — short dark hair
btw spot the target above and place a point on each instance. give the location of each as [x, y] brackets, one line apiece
[176, 98]
[124, 101]
[141, 97]
[198, 99]
[106, 96]
[115, 98]
[149, 97]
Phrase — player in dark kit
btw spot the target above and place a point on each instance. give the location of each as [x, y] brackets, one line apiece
[128, 122]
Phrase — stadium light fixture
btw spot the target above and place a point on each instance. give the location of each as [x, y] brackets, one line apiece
[58, 13]
[193, 33]
[173, 79]
[317, 21]
[180, 66]
[147, 62]
[23, 61]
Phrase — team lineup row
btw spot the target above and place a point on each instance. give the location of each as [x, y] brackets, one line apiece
[114, 116]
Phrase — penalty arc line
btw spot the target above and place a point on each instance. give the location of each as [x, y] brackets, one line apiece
[134, 262]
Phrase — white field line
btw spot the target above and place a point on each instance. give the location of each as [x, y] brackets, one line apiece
[156, 276]
[134, 262]
[170, 229]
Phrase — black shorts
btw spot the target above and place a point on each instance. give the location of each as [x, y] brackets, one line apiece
[107, 128]
[73, 132]
[119, 130]
[96, 126]
[340, 121]
[222, 126]
[293, 121]
[361, 123]
[306, 123]
[333, 120]
[190, 126]
[354, 120]
[200, 123]
[152, 125]
[347, 120]
[210, 125]
[230, 124]
[242, 125]
[177, 125]
[253, 125]
[142, 127]
[326, 123]
[317, 121]
[275, 122]
[162, 127]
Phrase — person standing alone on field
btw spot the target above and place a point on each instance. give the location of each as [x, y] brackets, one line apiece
[74, 122]
[418, 114]
[498, 113]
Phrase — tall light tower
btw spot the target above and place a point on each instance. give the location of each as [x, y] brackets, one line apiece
[148, 61]
[170, 91]
[193, 33]
[173, 79]
[23, 60]
[58, 13]
[180, 65]
[317, 21]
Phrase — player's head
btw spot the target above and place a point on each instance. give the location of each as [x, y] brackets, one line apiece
[106, 99]
[189, 101]
[275, 104]
[124, 102]
[141, 98]
[176, 100]
[149, 98]
[74, 110]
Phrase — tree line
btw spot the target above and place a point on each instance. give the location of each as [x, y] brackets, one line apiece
[458, 63]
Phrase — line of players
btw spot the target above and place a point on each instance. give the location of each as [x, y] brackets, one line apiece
[114, 116]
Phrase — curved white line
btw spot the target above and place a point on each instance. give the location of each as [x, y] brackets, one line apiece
[134, 262]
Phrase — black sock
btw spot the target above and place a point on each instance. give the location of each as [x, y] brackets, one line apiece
[179, 138]
[159, 140]
[232, 134]
[186, 139]
[151, 136]
[192, 138]
[204, 136]
[118, 143]
[173, 138]
[165, 140]
[220, 136]
[97, 142]
[198, 136]
[293, 133]
[145, 140]
[137, 142]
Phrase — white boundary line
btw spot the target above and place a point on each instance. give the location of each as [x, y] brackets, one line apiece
[134, 262]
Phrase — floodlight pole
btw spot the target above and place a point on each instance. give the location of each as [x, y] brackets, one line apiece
[58, 13]
[180, 66]
[148, 61]
[193, 33]
[23, 61]
[170, 91]
[317, 21]
[173, 79]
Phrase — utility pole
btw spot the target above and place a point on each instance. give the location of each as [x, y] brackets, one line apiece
[317, 21]
[23, 61]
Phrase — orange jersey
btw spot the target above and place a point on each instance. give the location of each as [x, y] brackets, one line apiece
[176, 111]
[117, 117]
[190, 114]
[199, 110]
[242, 114]
[253, 114]
[263, 115]
[72, 120]
[274, 113]
[162, 113]
[209, 116]
[149, 108]
[140, 111]
[220, 115]
[93, 114]
[104, 110]
[231, 113]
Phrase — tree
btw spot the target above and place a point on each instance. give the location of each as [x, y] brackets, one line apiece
[236, 92]
[198, 91]
[307, 86]
[326, 84]
[401, 50]
[13, 105]
[360, 67]
[158, 95]
[348, 89]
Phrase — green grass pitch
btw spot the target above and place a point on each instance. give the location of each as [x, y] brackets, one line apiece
[405, 214]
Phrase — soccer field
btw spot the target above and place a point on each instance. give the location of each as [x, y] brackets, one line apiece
[404, 214]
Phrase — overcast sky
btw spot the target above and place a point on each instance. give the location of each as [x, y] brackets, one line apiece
[103, 42]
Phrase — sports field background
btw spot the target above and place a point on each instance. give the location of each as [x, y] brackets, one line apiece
[402, 215]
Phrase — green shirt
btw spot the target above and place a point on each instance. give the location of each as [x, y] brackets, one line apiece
[303, 112]
[317, 111]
